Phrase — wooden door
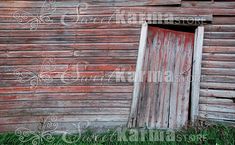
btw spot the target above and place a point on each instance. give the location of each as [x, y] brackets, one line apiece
[164, 92]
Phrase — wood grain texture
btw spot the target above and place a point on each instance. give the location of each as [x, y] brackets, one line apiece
[139, 68]
[72, 3]
[205, 4]
[217, 116]
[105, 47]
[164, 102]
[97, 126]
[138, 9]
[196, 72]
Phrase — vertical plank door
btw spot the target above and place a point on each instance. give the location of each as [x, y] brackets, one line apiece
[163, 98]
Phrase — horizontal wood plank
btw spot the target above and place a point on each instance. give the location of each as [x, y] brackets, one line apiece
[71, 89]
[65, 61]
[219, 35]
[70, 39]
[220, 28]
[219, 42]
[218, 71]
[218, 78]
[218, 86]
[218, 64]
[218, 49]
[68, 118]
[217, 108]
[65, 127]
[63, 111]
[72, 32]
[205, 4]
[217, 116]
[68, 104]
[217, 93]
[218, 57]
[69, 46]
[65, 96]
[72, 3]
[68, 53]
[214, 100]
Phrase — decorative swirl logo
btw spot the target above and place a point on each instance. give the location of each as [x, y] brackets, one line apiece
[47, 128]
[34, 78]
[80, 126]
[67, 73]
[45, 135]
[79, 8]
[47, 9]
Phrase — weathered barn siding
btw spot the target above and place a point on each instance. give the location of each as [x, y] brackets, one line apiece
[99, 49]
[164, 95]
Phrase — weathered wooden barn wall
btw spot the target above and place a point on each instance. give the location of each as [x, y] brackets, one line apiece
[163, 102]
[98, 49]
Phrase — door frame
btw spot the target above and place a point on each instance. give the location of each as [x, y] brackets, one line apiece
[196, 74]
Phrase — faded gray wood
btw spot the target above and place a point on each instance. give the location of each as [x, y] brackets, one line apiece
[72, 3]
[217, 93]
[168, 57]
[196, 74]
[218, 86]
[211, 115]
[138, 75]
[214, 100]
[220, 107]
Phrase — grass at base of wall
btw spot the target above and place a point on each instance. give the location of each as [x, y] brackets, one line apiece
[209, 135]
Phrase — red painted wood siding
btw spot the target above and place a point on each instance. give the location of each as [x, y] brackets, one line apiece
[165, 92]
[108, 46]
